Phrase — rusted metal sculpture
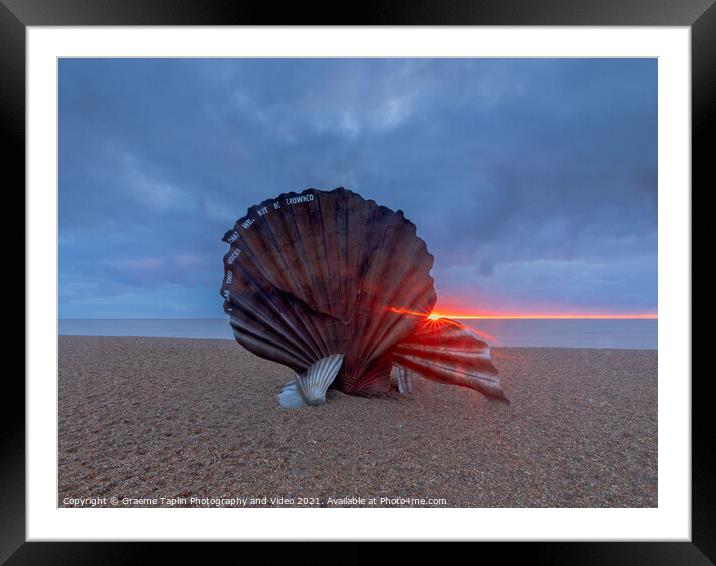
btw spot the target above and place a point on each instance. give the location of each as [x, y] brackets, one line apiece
[338, 288]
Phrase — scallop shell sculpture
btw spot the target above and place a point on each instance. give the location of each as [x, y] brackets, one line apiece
[338, 288]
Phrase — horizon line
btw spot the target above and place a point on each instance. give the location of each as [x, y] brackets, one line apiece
[438, 315]
[543, 316]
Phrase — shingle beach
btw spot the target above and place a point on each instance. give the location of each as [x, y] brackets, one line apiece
[190, 422]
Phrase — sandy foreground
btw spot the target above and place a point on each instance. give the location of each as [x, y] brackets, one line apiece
[141, 419]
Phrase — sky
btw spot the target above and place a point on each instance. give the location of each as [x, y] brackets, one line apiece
[532, 181]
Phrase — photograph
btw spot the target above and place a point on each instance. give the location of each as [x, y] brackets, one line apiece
[357, 282]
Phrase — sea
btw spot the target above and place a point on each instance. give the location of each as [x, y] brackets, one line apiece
[537, 333]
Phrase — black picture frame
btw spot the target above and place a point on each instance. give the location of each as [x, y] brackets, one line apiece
[16, 15]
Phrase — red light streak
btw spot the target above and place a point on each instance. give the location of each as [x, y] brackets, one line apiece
[572, 316]
[437, 315]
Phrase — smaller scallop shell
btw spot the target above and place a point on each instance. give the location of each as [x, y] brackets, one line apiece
[310, 388]
[315, 382]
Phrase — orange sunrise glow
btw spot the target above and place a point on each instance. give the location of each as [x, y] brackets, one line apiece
[436, 315]
[543, 316]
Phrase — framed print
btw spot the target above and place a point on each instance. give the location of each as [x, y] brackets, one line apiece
[422, 277]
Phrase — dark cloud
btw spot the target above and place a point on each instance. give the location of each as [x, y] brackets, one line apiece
[533, 181]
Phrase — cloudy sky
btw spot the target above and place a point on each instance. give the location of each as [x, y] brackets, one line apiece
[533, 181]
